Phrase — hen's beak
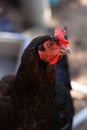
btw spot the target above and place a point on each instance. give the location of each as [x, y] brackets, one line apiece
[65, 51]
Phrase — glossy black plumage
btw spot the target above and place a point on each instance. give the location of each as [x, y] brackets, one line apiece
[35, 99]
[63, 98]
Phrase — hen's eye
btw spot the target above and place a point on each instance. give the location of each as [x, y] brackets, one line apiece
[50, 44]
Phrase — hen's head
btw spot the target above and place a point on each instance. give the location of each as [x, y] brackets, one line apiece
[53, 49]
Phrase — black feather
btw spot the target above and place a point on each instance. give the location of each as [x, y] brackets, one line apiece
[33, 99]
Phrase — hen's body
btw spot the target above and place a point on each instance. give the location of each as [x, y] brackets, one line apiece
[63, 98]
[31, 101]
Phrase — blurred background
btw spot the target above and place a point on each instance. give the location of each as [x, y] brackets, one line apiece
[22, 20]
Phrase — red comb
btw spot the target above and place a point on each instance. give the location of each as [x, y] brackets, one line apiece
[60, 33]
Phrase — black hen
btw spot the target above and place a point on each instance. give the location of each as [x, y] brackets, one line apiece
[33, 100]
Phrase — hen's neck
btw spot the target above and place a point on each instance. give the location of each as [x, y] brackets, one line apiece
[32, 74]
